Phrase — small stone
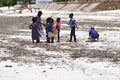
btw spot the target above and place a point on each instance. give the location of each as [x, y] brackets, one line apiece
[8, 65]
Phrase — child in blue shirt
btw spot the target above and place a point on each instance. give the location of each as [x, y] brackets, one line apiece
[49, 27]
[73, 26]
[93, 35]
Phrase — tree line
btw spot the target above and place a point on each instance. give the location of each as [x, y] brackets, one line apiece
[8, 2]
[11, 2]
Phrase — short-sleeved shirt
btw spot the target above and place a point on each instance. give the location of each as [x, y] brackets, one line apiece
[48, 27]
[71, 22]
[58, 24]
[93, 33]
[38, 19]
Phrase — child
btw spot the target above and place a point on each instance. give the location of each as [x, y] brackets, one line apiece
[39, 24]
[73, 26]
[34, 27]
[54, 32]
[49, 27]
[93, 35]
[58, 24]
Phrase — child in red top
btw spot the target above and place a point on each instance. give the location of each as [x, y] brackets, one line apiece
[58, 24]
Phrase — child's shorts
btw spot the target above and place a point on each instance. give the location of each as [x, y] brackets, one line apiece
[49, 34]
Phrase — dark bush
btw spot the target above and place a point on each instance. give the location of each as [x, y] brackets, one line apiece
[8, 2]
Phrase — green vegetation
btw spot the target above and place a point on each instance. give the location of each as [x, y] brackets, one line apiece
[11, 2]
[7, 2]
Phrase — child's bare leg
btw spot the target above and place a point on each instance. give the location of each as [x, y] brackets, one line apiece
[48, 39]
[52, 40]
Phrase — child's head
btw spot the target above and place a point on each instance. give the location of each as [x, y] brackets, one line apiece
[39, 13]
[58, 20]
[92, 27]
[70, 15]
[50, 19]
[33, 19]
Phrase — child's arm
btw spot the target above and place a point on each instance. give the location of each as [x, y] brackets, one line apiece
[76, 25]
[30, 26]
[43, 24]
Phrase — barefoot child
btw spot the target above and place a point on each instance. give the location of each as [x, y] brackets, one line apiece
[58, 24]
[93, 35]
[34, 27]
[39, 23]
[49, 31]
[73, 26]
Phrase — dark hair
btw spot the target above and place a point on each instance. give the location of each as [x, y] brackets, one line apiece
[52, 20]
[71, 14]
[49, 18]
[92, 27]
[39, 13]
[33, 19]
[58, 19]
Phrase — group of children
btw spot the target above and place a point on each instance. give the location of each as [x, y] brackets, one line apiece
[53, 29]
